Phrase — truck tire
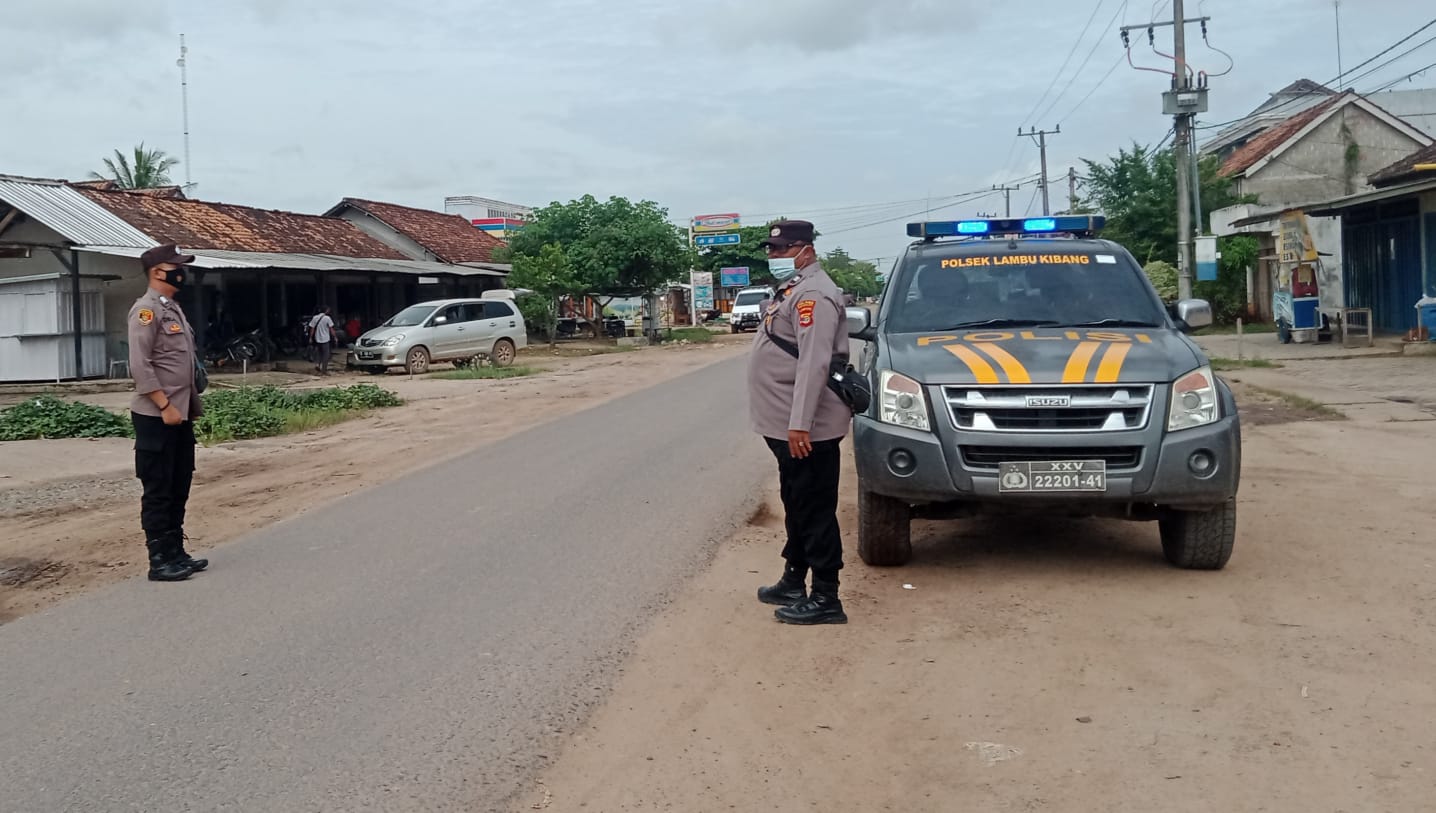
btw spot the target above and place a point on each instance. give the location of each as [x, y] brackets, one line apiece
[884, 530]
[1200, 540]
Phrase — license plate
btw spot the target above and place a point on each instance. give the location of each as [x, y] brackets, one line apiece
[364, 355]
[1053, 476]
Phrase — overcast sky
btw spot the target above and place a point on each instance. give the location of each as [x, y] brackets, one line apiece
[817, 108]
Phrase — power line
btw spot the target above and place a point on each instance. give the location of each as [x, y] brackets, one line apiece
[1094, 89]
[1029, 117]
[974, 196]
[1396, 58]
[1121, 10]
[1336, 79]
[1403, 79]
[1032, 200]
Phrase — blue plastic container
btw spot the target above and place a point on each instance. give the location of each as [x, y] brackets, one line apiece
[1426, 315]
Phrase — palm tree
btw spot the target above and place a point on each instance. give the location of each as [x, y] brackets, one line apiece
[150, 169]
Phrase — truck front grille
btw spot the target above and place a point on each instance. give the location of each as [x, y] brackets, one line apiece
[989, 457]
[1050, 409]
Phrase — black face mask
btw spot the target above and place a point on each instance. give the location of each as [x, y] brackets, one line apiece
[175, 277]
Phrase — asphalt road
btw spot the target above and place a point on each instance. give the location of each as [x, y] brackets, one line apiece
[412, 647]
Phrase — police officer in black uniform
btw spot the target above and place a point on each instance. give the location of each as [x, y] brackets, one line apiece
[163, 364]
[802, 420]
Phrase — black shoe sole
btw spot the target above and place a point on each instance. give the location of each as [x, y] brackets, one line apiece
[198, 568]
[813, 622]
[154, 577]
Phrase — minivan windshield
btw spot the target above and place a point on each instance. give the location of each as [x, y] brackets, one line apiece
[750, 298]
[410, 316]
[1022, 287]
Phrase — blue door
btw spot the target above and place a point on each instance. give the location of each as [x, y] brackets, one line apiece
[1383, 264]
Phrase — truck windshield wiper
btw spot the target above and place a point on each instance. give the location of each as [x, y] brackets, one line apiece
[1114, 323]
[1004, 323]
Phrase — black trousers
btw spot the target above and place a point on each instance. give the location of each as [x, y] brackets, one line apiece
[809, 489]
[164, 462]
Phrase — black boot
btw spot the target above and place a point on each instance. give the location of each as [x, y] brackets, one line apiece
[177, 540]
[163, 566]
[789, 590]
[822, 607]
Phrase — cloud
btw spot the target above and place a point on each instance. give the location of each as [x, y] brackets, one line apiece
[829, 25]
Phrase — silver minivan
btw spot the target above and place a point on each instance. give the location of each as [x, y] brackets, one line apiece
[457, 330]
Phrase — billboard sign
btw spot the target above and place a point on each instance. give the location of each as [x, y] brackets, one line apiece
[702, 290]
[707, 240]
[734, 277]
[704, 224]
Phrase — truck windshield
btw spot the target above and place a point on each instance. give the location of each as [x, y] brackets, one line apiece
[1026, 287]
[410, 316]
[749, 298]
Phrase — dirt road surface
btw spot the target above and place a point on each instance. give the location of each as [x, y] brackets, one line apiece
[69, 509]
[1063, 665]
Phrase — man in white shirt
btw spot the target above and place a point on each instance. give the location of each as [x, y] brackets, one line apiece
[321, 335]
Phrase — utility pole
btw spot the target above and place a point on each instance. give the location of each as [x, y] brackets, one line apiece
[1183, 101]
[1007, 193]
[184, 106]
[1181, 146]
[1340, 82]
[1041, 137]
[1071, 189]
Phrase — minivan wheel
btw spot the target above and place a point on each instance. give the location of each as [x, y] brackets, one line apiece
[504, 353]
[884, 529]
[418, 362]
[1200, 540]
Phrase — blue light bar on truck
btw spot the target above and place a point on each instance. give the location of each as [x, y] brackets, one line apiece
[1078, 225]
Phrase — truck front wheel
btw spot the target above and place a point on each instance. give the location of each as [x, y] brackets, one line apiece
[1200, 540]
[884, 530]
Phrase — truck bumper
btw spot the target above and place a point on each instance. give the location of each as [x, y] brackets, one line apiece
[929, 467]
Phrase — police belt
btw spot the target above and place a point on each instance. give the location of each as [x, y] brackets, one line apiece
[849, 385]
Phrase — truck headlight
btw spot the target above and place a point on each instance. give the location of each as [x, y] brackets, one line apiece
[903, 403]
[393, 340]
[1194, 400]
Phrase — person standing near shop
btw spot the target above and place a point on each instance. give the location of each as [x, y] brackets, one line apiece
[803, 421]
[166, 403]
[321, 335]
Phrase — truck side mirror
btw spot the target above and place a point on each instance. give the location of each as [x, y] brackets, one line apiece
[1194, 314]
[860, 324]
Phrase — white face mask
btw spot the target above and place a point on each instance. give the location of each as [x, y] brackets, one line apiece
[782, 268]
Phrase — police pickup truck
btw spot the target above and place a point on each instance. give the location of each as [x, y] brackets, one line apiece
[1025, 367]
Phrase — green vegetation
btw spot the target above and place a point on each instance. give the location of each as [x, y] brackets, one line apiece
[46, 416]
[1222, 364]
[485, 373]
[147, 169]
[692, 335]
[256, 412]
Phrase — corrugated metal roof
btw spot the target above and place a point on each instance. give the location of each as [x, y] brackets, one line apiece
[74, 216]
[212, 259]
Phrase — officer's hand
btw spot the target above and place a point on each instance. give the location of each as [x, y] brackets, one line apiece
[800, 444]
[172, 416]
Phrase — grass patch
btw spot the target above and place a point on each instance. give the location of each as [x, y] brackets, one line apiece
[257, 412]
[1223, 364]
[1230, 330]
[49, 417]
[484, 373]
[1300, 402]
[692, 335]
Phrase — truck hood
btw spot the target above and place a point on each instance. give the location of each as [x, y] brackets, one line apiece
[1044, 356]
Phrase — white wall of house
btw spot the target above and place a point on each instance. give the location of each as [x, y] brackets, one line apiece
[1315, 167]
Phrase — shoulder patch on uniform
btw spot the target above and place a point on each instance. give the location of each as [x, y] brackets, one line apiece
[805, 312]
[145, 316]
[175, 327]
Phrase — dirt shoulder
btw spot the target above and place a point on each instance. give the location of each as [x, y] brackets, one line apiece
[1059, 664]
[69, 509]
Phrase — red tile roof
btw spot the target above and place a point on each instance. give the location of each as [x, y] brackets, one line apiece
[1261, 146]
[106, 185]
[450, 238]
[195, 224]
[1405, 169]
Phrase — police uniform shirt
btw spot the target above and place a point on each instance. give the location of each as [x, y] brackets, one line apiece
[162, 356]
[787, 394]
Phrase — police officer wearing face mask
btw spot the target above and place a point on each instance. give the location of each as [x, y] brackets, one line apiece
[803, 421]
[166, 402]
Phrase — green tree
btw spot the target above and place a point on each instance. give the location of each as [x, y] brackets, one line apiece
[1164, 278]
[548, 276]
[1136, 190]
[614, 248]
[857, 277]
[146, 169]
